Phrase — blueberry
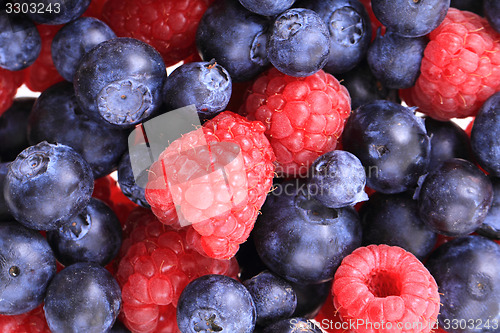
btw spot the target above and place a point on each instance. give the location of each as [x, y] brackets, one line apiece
[350, 31]
[337, 179]
[207, 85]
[310, 298]
[395, 60]
[267, 7]
[491, 224]
[74, 40]
[20, 42]
[467, 271]
[454, 199]
[492, 13]
[133, 188]
[13, 128]
[120, 81]
[274, 298]
[47, 185]
[249, 260]
[485, 134]
[4, 209]
[57, 117]
[56, 11]
[300, 239]
[235, 38]
[298, 42]
[27, 265]
[411, 18]
[83, 297]
[293, 325]
[215, 303]
[392, 144]
[393, 219]
[94, 235]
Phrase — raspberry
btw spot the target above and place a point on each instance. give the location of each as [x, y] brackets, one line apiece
[155, 269]
[95, 9]
[30, 322]
[107, 190]
[385, 284]
[221, 209]
[169, 26]
[9, 82]
[460, 68]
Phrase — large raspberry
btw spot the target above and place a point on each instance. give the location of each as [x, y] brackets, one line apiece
[386, 289]
[9, 82]
[31, 322]
[460, 68]
[155, 269]
[217, 177]
[169, 26]
[304, 117]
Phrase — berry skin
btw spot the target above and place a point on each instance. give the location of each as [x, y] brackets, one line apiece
[304, 117]
[491, 224]
[9, 82]
[491, 12]
[216, 303]
[222, 205]
[30, 322]
[385, 284]
[13, 128]
[132, 188]
[267, 7]
[4, 209]
[62, 11]
[168, 26]
[460, 69]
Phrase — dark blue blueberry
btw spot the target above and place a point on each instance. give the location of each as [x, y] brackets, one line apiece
[395, 60]
[475, 6]
[57, 117]
[249, 260]
[27, 265]
[454, 199]
[467, 271]
[94, 235]
[235, 37]
[47, 185]
[298, 42]
[491, 224]
[350, 31]
[14, 128]
[4, 209]
[120, 81]
[393, 219]
[485, 133]
[83, 297]
[302, 240]
[20, 42]
[293, 325]
[448, 140]
[267, 7]
[56, 11]
[74, 40]
[411, 18]
[274, 297]
[207, 85]
[337, 179]
[392, 144]
[215, 303]
[492, 13]
[310, 298]
[133, 188]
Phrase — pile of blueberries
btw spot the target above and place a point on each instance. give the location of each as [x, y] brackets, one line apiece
[426, 177]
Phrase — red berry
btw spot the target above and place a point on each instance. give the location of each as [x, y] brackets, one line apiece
[95, 9]
[304, 117]
[169, 26]
[386, 289]
[30, 322]
[9, 82]
[460, 68]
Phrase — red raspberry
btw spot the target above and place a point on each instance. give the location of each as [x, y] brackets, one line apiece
[304, 117]
[30, 322]
[107, 190]
[157, 266]
[9, 82]
[460, 68]
[381, 284]
[95, 9]
[169, 26]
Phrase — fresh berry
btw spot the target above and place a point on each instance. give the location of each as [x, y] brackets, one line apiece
[267, 7]
[392, 144]
[95, 9]
[9, 82]
[386, 289]
[168, 26]
[454, 199]
[4, 209]
[13, 128]
[47, 166]
[28, 264]
[304, 117]
[467, 271]
[216, 303]
[30, 322]
[460, 69]
[375, 23]
[491, 12]
[57, 12]
[74, 40]
[310, 298]
[133, 187]
[217, 178]
[293, 325]
[83, 297]
[491, 224]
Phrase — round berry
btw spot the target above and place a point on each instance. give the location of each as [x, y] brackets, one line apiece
[13, 128]
[491, 224]
[57, 11]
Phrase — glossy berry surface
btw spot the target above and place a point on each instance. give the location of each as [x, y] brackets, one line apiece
[491, 224]
[216, 303]
[59, 12]
[27, 266]
[4, 209]
[293, 325]
[74, 40]
[120, 81]
[267, 7]
[13, 128]
[454, 199]
[83, 297]
[134, 188]
[298, 42]
[40, 167]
